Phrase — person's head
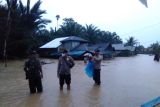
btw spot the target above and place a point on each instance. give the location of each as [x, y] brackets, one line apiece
[64, 53]
[97, 52]
[33, 55]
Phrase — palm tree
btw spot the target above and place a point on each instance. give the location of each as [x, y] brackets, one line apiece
[155, 48]
[115, 38]
[91, 33]
[25, 22]
[33, 16]
[70, 28]
[57, 17]
[131, 41]
[106, 36]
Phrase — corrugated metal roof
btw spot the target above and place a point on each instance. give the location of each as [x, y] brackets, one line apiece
[130, 48]
[100, 46]
[82, 47]
[54, 43]
[118, 47]
[121, 47]
[74, 38]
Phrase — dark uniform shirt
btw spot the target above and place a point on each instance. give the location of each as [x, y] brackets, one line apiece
[33, 68]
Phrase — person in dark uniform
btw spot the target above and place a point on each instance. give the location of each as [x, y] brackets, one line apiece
[156, 57]
[65, 64]
[97, 67]
[33, 71]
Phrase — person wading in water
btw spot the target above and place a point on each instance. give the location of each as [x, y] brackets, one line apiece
[34, 74]
[65, 64]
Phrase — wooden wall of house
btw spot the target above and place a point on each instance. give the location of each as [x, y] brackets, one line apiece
[70, 45]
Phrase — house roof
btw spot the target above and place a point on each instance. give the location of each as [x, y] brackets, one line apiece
[100, 46]
[121, 47]
[82, 47]
[130, 48]
[74, 38]
[54, 43]
[103, 47]
[118, 47]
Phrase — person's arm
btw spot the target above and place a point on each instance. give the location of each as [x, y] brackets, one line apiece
[40, 69]
[72, 60]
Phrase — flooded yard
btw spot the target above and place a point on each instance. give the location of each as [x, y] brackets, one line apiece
[126, 82]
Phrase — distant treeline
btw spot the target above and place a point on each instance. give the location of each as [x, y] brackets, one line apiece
[24, 29]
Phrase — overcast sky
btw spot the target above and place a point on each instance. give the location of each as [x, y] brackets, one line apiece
[126, 17]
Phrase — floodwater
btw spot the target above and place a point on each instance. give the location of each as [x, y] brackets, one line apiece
[126, 82]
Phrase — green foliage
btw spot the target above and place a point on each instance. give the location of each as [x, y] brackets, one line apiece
[70, 28]
[88, 32]
[28, 29]
[154, 48]
[24, 22]
[131, 41]
[140, 49]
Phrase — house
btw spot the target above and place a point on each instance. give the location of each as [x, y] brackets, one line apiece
[76, 47]
[51, 47]
[105, 49]
[121, 50]
[132, 49]
[73, 42]
[54, 47]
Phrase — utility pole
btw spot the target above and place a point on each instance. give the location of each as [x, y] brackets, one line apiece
[8, 25]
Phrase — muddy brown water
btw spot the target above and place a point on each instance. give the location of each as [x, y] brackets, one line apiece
[126, 82]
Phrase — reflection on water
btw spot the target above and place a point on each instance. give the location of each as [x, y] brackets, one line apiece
[94, 97]
[32, 101]
[126, 82]
[64, 99]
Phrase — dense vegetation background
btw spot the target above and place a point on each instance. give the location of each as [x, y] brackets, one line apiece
[23, 28]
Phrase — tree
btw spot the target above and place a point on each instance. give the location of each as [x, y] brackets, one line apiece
[106, 36]
[70, 28]
[154, 48]
[57, 17]
[3, 27]
[25, 23]
[90, 33]
[131, 41]
[140, 49]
